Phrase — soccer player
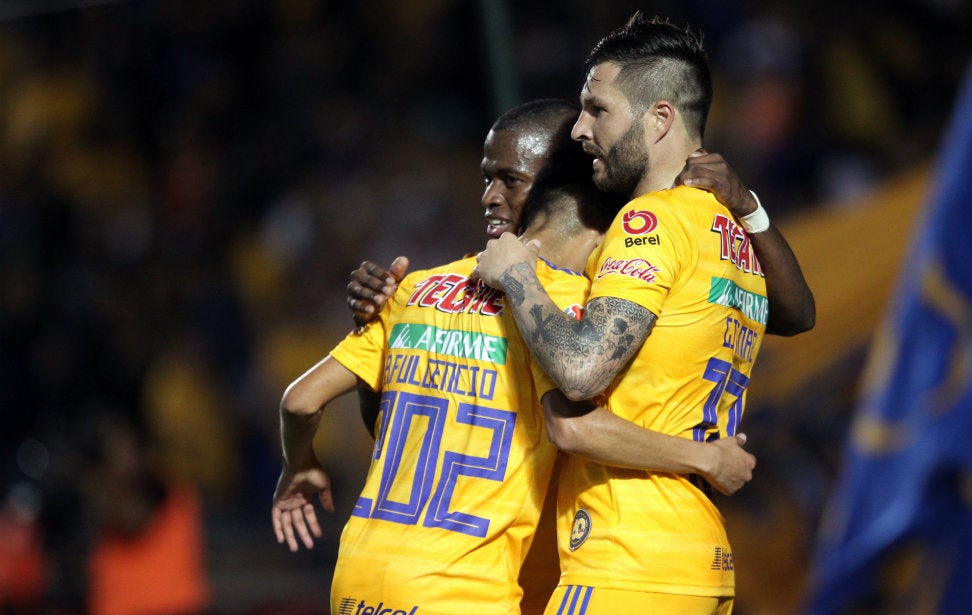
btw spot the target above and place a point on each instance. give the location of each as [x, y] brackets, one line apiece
[462, 458]
[674, 265]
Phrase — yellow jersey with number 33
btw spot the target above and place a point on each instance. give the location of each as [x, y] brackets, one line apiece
[461, 461]
[679, 254]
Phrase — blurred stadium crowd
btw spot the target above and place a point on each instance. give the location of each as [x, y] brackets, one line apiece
[185, 187]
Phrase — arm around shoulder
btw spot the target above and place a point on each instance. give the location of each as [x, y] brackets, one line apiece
[595, 433]
[792, 307]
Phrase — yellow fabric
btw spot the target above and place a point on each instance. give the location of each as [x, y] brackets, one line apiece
[462, 461]
[679, 254]
[541, 569]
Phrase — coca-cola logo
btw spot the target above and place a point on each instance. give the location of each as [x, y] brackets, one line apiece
[638, 268]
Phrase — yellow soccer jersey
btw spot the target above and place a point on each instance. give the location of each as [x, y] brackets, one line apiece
[461, 463]
[680, 254]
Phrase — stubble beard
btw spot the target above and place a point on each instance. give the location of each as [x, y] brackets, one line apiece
[624, 164]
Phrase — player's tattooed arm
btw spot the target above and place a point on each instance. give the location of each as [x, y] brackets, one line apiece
[581, 357]
[514, 287]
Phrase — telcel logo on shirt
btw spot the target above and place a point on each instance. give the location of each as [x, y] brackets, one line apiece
[351, 606]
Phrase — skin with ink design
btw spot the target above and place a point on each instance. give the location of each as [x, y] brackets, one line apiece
[572, 350]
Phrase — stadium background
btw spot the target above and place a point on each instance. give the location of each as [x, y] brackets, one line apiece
[185, 187]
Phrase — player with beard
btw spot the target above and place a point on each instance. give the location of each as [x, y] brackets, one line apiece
[678, 267]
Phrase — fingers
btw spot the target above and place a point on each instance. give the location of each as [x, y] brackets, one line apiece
[500, 255]
[361, 299]
[371, 282]
[362, 312]
[701, 156]
[306, 523]
[327, 500]
[373, 278]
[702, 171]
[277, 525]
[398, 268]
[736, 466]
[284, 528]
[300, 523]
[374, 270]
[370, 287]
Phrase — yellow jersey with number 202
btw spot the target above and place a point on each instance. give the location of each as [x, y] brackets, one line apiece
[461, 461]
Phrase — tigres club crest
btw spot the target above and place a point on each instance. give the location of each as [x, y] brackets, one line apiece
[580, 529]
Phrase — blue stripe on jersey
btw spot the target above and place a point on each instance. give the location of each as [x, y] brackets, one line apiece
[552, 266]
[574, 594]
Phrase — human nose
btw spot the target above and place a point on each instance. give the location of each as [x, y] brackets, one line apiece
[492, 194]
[582, 127]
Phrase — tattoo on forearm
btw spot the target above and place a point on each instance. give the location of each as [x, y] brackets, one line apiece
[581, 356]
[584, 356]
[515, 290]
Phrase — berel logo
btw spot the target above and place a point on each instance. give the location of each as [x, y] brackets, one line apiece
[637, 222]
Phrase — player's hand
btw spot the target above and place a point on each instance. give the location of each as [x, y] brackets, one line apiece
[370, 287]
[293, 511]
[501, 255]
[711, 172]
[733, 466]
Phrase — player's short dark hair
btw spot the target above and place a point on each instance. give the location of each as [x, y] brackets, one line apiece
[547, 113]
[659, 61]
[551, 191]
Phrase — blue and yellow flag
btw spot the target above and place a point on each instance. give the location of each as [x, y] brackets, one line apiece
[897, 534]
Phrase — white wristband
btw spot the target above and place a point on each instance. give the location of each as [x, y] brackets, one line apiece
[757, 221]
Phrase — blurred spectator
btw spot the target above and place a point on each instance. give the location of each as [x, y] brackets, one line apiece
[23, 566]
[121, 536]
[148, 550]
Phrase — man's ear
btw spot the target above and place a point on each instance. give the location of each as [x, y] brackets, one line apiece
[659, 119]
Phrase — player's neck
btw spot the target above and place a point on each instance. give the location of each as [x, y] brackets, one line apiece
[566, 252]
[665, 162]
